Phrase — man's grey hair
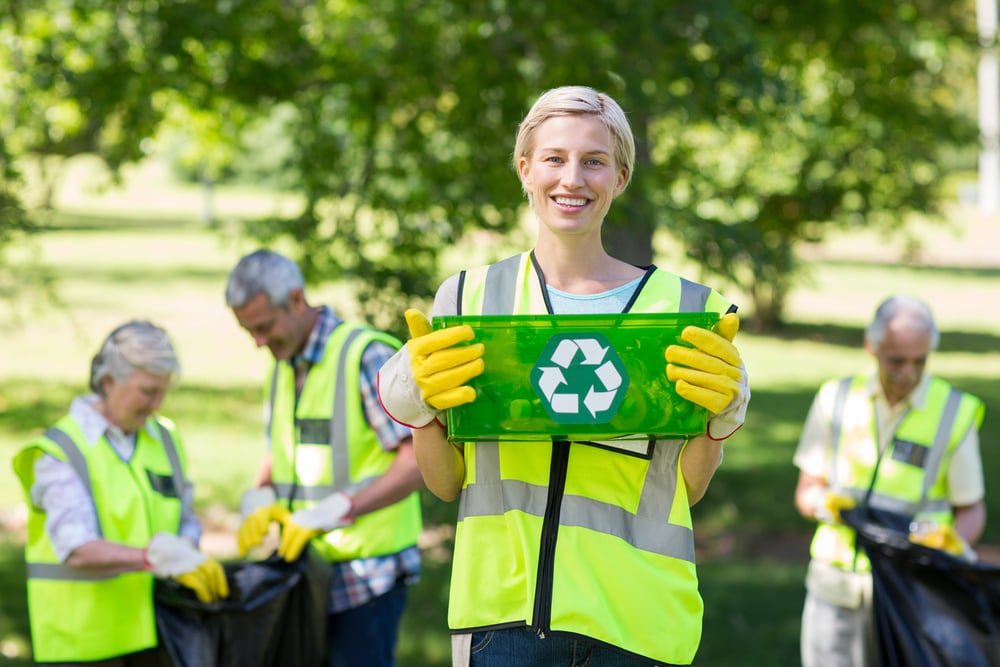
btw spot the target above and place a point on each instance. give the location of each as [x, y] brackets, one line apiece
[911, 311]
[134, 345]
[263, 271]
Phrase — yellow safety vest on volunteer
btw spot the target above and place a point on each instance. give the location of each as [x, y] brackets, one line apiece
[323, 444]
[576, 537]
[76, 615]
[910, 477]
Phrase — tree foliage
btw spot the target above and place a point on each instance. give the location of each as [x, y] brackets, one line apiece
[759, 124]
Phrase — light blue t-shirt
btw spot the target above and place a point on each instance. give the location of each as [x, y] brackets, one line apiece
[612, 301]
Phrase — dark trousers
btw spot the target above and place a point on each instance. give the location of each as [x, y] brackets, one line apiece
[367, 634]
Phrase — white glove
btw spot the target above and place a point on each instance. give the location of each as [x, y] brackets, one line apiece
[399, 394]
[254, 499]
[326, 515]
[724, 424]
[168, 555]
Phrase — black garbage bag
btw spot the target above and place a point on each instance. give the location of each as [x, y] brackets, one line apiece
[931, 609]
[275, 617]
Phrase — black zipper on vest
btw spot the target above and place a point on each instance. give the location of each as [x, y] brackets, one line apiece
[550, 532]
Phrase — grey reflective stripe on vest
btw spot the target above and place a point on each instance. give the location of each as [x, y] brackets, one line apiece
[340, 456]
[693, 297]
[175, 460]
[892, 503]
[62, 572]
[500, 288]
[270, 404]
[77, 461]
[836, 426]
[647, 529]
[941, 440]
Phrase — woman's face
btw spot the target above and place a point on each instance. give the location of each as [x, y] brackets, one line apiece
[130, 402]
[571, 174]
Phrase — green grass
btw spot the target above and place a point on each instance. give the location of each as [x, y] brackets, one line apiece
[752, 544]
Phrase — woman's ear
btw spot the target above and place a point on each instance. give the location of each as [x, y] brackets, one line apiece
[622, 180]
[523, 169]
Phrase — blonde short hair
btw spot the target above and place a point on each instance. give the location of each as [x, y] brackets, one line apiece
[578, 100]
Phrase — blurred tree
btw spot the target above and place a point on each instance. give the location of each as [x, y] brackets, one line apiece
[19, 276]
[879, 92]
[759, 124]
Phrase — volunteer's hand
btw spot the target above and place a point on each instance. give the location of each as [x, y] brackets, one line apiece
[305, 524]
[430, 373]
[258, 509]
[711, 374]
[944, 538]
[830, 504]
[208, 581]
[171, 556]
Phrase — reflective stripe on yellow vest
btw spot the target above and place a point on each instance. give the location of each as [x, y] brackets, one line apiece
[76, 615]
[910, 477]
[324, 444]
[572, 537]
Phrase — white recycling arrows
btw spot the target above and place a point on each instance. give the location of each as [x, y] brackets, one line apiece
[591, 353]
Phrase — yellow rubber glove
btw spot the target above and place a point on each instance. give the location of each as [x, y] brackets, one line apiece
[831, 504]
[429, 373]
[208, 581]
[441, 366]
[709, 373]
[294, 538]
[253, 529]
[944, 538]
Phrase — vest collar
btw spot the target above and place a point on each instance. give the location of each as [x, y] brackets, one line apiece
[94, 426]
[917, 399]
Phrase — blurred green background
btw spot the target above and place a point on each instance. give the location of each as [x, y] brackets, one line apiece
[807, 159]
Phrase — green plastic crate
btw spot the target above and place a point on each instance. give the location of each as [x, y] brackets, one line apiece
[576, 377]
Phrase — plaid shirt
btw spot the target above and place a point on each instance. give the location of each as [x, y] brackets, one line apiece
[356, 582]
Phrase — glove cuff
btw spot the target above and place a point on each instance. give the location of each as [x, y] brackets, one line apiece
[821, 510]
[723, 425]
[254, 499]
[170, 555]
[328, 514]
[399, 394]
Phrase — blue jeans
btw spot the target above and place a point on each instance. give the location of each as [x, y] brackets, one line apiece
[367, 634]
[521, 647]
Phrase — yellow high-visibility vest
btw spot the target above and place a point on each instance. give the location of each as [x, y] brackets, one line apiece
[910, 476]
[76, 615]
[323, 444]
[573, 537]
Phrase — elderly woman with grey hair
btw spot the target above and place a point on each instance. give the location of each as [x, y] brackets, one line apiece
[110, 508]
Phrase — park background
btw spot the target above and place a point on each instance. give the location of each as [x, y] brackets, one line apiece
[141, 251]
[814, 161]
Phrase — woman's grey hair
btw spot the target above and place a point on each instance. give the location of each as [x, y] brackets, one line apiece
[263, 271]
[572, 101]
[911, 311]
[135, 345]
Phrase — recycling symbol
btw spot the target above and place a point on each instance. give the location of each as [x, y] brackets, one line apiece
[580, 378]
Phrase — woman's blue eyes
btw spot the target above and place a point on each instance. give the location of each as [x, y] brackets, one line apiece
[592, 162]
